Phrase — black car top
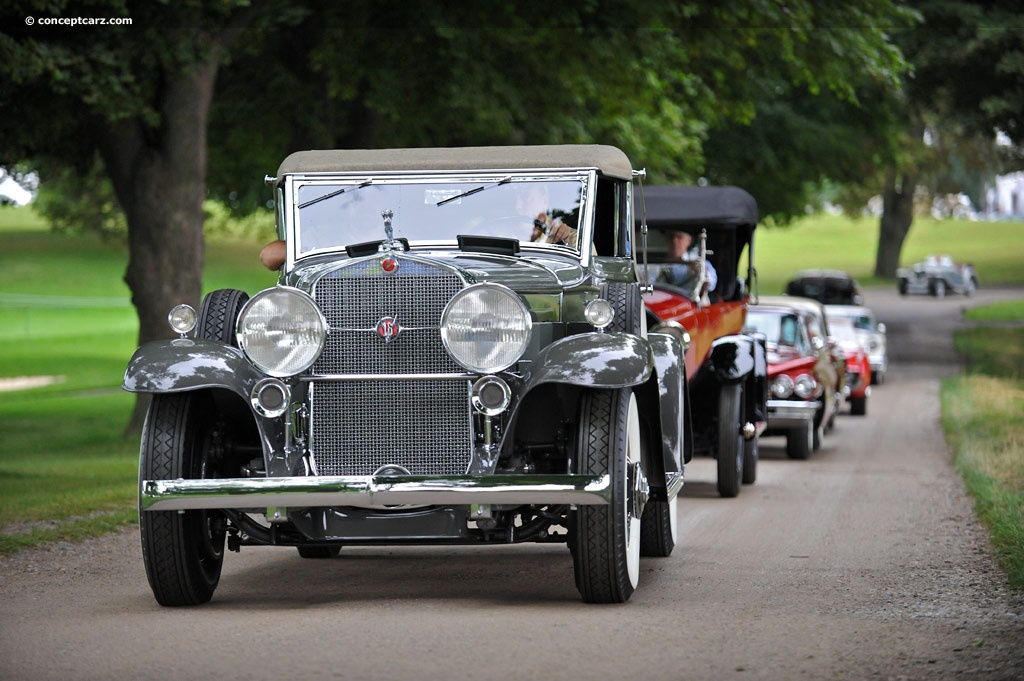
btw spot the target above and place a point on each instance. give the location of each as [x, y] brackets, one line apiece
[728, 214]
[828, 287]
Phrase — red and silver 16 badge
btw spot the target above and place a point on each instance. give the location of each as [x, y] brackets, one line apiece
[388, 329]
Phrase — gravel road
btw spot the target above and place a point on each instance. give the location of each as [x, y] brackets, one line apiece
[864, 562]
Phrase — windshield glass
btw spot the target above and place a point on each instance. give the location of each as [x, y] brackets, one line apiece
[778, 328]
[334, 214]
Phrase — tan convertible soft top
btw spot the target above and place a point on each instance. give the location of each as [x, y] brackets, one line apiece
[608, 159]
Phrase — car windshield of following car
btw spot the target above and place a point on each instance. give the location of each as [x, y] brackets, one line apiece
[785, 336]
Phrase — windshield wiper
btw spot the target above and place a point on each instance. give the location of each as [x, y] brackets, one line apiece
[474, 191]
[329, 195]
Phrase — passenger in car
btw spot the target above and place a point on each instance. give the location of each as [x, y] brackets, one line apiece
[685, 259]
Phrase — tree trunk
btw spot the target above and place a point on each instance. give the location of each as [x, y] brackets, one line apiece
[159, 175]
[894, 225]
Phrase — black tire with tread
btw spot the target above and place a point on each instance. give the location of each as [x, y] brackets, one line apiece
[658, 532]
[800, 442]
[183, 552]
[628, 305]
[219, 313]
[601, 534]
[730, 440]
[750, 457]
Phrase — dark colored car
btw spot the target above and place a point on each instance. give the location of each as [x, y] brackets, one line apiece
[433, 367]
[726, 368]
[937, 276]
[828, 287]
[805, 372]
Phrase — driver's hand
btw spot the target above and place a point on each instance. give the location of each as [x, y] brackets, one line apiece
[554, 231]
[559, 232]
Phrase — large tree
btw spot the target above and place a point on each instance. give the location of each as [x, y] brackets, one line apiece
[968, 85]
[137, 96]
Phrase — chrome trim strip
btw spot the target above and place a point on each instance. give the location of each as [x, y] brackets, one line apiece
[172, 495]
[387, 377]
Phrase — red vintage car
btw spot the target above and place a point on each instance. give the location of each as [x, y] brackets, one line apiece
[806, 372]
[697, 239]
[858, 365]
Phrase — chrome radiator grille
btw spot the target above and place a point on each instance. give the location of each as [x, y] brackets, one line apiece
[422, 426]
[355, 299]
[360, 425]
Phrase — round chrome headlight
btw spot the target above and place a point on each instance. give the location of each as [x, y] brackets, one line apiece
[805, 386]
[599, 312]
[182, 318]
[782, 386]
[282, 331]
[486, 328]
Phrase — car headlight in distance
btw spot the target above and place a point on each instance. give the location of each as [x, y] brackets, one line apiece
[486, 327]
[805, 387]
[281, 331]
[782, 386]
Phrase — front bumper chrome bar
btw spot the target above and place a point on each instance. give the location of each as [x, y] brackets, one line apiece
[300, 492]
[790, 413]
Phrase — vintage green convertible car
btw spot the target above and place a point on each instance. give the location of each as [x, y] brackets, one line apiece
[456, 353]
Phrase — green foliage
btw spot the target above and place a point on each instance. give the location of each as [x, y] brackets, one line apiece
[1010, 310]
[981, 417]
[969, 64]
[993, 351]
[799, 143]
[219, 223]
[77, 203]
[648, 76]
[66, 471]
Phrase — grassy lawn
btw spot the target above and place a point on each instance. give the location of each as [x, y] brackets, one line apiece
[981, 417]
[66, 469]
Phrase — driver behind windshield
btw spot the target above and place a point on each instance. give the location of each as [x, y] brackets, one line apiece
[683, 260]
[532, 202]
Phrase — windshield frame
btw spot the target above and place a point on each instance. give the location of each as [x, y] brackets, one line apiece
[295, 193]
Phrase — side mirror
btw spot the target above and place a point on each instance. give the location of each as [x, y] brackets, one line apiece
[881, 327]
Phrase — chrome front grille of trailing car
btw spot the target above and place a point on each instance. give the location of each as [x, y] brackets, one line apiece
[362, 423]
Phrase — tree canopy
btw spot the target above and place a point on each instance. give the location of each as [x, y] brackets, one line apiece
[651, 77]
[232, 87]
[188, 98]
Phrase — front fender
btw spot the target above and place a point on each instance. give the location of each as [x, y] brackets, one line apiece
[593, 360]
[733, 358]
[671, 371]
[182, 364]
